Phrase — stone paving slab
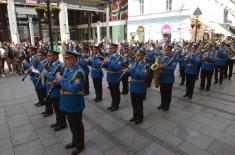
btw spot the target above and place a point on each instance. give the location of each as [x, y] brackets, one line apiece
[189, 127]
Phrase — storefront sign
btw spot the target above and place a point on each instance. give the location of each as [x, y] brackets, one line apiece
[166, 29]
[33, 2]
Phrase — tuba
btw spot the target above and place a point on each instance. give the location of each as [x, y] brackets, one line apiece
[230, 53]
[156, 70]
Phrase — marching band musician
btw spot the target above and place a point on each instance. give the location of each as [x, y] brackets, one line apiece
[126, 62]
[138, 73]
[32, 64]
[207, 67]
[221, 57]
[72, 101]
[39, 85]
[96, 73]
[182, 64]
[228, 70]
[113, 65]
[167, 78]
[191, 70]
[151, 59]
[54, 98]
[83, 62]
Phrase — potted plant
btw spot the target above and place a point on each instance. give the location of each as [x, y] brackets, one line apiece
[40, 11]
[55, 11]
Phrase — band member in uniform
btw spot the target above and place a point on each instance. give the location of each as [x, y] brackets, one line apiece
[228, 70]
[150, 60]
[32, 50]
[207, 67]
[221, 57]
[97, 73]
[53, 88]
[182, 65]
[192, 60]
[40, 86]
[126, 61]
[138, 73]
[72, 99]
[113, 65]
[83, 62]
[167, 67]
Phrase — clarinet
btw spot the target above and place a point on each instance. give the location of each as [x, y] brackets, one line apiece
[27, 73]
[53, 86]
[102, 65]
[44, 67]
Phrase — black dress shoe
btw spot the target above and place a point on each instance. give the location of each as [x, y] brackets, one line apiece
[54, 125]
[160, 107]
[190, 97]
[43, 113]
[114, 109]
[47, 114]
[165, 109]
[185, 96]
[138, 122]
[109, 108]
[77, 151]
[60, 127]
[69, 146]
[38, 105]
[132, 120]
[98, 100]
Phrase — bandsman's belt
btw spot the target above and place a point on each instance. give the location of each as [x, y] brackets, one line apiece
[220, 58]
[110, 71]
[94, 69]
[165, 72]
[70, 93]
[191, 65]
[135, 80]
[209, 63]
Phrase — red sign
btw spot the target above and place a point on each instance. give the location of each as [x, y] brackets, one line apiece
[34, 2]
[166, 29]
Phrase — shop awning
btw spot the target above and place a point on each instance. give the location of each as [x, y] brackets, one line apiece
[217, 28]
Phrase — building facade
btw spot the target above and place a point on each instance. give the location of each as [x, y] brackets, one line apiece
[174, 20]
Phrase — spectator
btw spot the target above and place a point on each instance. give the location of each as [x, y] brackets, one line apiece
[10, 58]
[3, 55]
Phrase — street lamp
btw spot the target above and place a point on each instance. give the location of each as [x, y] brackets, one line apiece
[197, 13]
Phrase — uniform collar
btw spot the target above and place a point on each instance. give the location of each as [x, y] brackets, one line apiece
[55, 62]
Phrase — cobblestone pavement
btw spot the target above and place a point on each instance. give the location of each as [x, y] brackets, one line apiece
[204, 125]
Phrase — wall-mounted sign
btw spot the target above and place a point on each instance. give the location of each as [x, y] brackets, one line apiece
[166, 29]
[140, 29]
[33, 2]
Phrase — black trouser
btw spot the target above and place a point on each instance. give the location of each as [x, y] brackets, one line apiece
[41, 96]
[77, 128]
[137, 105]
[60, 115]
[86, 85]
[190, 83]
[182, 74]
[219, 69]
[125, 84]
[115, 94]
[98, 87]
[206, 75]
[166, 93]
[198, 70]
[149, 78]
[228, 70]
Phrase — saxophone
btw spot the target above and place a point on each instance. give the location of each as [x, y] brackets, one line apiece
[156, 69]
